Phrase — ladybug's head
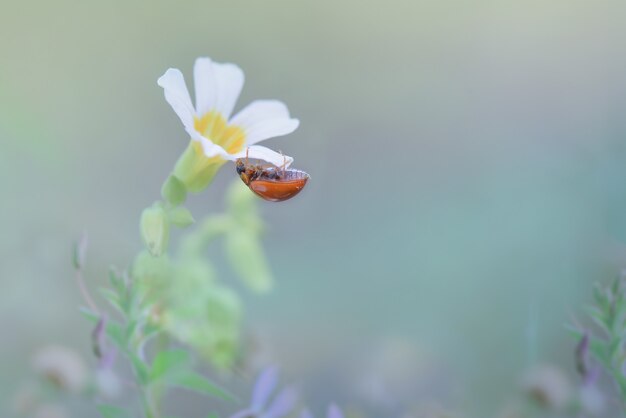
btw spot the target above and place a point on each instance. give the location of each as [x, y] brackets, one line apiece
[240, 166]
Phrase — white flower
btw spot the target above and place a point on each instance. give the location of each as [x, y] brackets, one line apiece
[62, 366]
[548, 386]
[209, 124]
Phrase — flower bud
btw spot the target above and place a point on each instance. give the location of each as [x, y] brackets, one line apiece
[80, 248]
[582, 356]
[98, 337]
[155, 229]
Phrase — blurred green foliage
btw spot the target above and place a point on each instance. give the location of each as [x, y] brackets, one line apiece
[177, 295]
[189, 300]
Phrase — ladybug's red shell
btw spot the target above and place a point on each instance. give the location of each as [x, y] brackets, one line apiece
[282, 188]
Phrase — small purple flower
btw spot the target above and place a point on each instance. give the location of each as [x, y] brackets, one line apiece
[588, 373]
[98, 336]
[333, 412]
[105, 353]
[582, 355]
[261, 407]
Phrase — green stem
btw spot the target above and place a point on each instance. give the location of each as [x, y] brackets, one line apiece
[616, 359]
[147, 404]
[141, 369]
[150, 408]
[159, 388]
[196, 242]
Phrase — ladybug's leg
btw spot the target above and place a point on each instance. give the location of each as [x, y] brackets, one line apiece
[255, 173]
[284, 163]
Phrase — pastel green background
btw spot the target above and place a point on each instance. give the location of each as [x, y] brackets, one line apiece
[468, 164]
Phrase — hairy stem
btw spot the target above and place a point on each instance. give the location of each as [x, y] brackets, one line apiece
[85, 292]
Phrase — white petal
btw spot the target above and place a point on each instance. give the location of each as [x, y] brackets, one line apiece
[217, 86]
[210, 149]
[263, 119]
[263, 153]
[228, 82]
[270, 129]
[177, 96]
[260, 110]
[204, 83]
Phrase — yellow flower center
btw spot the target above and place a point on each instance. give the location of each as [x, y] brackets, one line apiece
[213, 126]
[194, 168]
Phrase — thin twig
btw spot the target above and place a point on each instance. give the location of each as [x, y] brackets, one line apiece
[85, 292]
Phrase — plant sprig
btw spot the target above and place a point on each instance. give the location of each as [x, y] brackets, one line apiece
[606, 342]
[170, 306]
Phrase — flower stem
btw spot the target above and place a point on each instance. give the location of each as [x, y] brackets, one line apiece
[85, 292]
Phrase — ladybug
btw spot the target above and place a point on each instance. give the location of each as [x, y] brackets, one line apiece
[269, 182]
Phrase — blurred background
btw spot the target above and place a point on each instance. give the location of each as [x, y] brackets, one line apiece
[468, 164]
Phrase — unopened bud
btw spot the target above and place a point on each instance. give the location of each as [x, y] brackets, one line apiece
[582, 355]
[80, 249]
[98, 337]
[155, 229]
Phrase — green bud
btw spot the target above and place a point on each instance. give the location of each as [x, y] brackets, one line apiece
[181, 217]
[78, 253]
[155, 229]
[174, 191]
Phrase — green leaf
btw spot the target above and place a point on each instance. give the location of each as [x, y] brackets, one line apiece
[248, 260]
[598, 349]
[600, 294]
[141, 369]
[181, 217]
[198, 383]
[615, 287]
[113, 299]
[150, 331]
[617, 325]
[170, 363]
[109, 411]
[155, 229]
[131, 327]
[116, 334]
[119, 285]
[174, 191]
[598, 317]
